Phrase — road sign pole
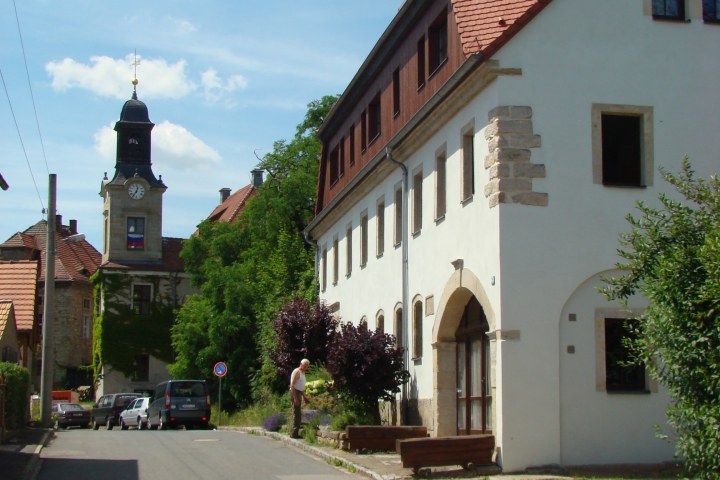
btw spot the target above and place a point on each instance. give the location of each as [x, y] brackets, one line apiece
[220, 402]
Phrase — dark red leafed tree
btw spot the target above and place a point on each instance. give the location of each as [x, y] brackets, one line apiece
[304, 330]
[367, 365]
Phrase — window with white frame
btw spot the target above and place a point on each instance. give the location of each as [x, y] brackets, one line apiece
[417, 329]
[668, 9]
[336, 260]
[380, 227]
[440, 185]
[417, 202]
[324, 268]
[468, 165]
[399, 327]
[86, 327]
[398, 215]
[141, 299]
[363, 239]
[711, 11]
[348, 250]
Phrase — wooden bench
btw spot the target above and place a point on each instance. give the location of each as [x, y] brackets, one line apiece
[468, 451]
[380, 437]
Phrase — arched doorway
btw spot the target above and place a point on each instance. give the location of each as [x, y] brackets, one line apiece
[474, 391]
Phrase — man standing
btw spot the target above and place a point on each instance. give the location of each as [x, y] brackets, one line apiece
[297, 388]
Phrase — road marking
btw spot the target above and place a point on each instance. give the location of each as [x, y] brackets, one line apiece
[206, 440]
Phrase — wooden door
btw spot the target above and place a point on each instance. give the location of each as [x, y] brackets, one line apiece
[474, 389]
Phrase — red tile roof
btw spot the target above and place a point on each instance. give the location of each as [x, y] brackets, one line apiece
[233, 206]
[171, 260]
[20, 240]
[6, 314]
[486, 25]
[18, 282]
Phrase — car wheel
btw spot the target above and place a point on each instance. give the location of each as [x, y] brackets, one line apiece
[95, 425]
[163, 425]
[57, 425]
[122, 424]
[140, 424]
[204, 426]
[109, 424]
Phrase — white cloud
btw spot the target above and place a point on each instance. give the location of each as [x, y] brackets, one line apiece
[182, 26]
[111, 77]
[216, 89]
[173, 147]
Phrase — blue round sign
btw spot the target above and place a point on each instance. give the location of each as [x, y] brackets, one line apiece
[220, 369]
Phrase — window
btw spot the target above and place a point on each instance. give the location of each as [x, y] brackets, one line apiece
[363, 131]
[622, 144]
[324, 268]
[40, 325]
[468, 166]
[711, 10]
[336, 260]
[348, 252]
[417, 202]
[142, 368]
[417, 329]
[438, 42]
[86, 327]
[351, 135]
[135, 233]
[440, 186]
[668, 9]
[363, 239]
[421, 62]
[620, 372]
[621, 155]
[380, 323]
[374, 118]
[107, 237]
[380, 228]
[40, 301]
[86, 303]
[398, 327]
[334, 167]
[141, 297]
[396, 92]
[398, 216]
[342, 156]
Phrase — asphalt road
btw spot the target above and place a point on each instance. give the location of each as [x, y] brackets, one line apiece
[176, 455]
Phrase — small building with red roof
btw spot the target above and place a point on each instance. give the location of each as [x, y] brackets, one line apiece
[9, 347]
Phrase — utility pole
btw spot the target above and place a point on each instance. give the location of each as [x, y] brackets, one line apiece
[48, 310]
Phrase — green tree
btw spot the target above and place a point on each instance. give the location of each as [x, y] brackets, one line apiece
[672, 256]
[247, 269]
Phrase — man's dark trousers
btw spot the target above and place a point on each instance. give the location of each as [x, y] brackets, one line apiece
[297, 415]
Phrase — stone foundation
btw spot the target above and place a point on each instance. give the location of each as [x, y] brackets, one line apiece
[420, 413]
[510, 137]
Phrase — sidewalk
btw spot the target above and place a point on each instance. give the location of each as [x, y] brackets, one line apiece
[20, 453]
[384, 466]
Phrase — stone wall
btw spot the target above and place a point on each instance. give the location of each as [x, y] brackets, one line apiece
[70, 349]
[419, 413]
[510, 137]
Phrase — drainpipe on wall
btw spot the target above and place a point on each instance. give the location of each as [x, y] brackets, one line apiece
[405, 287]
[313, 243]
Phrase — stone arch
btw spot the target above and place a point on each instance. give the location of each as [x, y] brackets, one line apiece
[460, 287]
[380, 320]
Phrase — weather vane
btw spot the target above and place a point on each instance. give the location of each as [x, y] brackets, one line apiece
[135, 80]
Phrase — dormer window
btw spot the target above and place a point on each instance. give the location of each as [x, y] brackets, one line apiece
[374, 118]
[668, 9]
[438, 42]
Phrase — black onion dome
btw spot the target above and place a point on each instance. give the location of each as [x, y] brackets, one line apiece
[134, 111]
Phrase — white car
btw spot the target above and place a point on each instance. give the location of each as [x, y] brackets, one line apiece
[135, 415]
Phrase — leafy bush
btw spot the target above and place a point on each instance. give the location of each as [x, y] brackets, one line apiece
[309, 430]
[273, 423]
[323, 402]
[17, 399]
[672, 257]
[315, 387]
[304, 330]
[366, 366]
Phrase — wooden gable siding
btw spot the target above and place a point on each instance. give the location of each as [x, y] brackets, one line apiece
[411, 99]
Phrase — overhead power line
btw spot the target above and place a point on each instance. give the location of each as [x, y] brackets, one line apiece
[21, 140]
[27, 72]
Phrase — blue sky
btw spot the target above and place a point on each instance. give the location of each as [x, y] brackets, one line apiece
[222, 79]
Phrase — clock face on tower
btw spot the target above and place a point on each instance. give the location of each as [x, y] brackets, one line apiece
[136, 191]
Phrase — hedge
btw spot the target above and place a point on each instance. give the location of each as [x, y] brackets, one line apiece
[17, 379]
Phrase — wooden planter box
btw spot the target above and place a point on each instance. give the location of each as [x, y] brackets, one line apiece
[469, 451]
[380, 437]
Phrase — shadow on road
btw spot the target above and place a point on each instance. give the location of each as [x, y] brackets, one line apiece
[81, 469]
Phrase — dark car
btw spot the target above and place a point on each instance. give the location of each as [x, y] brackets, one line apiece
[180, 402]
[70, 414]
[108, 407]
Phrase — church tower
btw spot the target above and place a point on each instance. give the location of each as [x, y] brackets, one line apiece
[132, 211]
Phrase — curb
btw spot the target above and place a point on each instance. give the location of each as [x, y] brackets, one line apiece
[33, 467]
[329, 457]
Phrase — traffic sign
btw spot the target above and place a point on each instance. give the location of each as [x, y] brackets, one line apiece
[220, 369]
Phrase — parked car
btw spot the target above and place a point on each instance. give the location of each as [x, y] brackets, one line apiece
[108, 408]
[70, 414]
[180, 402]
[135, 415]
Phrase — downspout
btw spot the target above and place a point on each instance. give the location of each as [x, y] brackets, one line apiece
[313, 243]
[405, 287]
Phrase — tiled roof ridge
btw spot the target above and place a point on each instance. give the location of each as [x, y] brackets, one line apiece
[486, 25]
[250, 190]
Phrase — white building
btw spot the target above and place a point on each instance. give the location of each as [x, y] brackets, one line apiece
[528, 130]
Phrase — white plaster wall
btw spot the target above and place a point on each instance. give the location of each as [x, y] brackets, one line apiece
[116, 382]
[573, 54]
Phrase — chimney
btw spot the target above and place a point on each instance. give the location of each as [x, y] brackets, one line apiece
[73, 227]
[224, 194]
[58, 223]
[257, 177]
